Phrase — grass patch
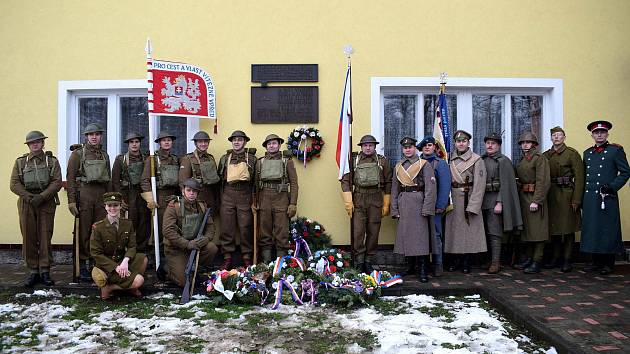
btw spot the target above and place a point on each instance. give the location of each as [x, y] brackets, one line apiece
[438, 311]
[24, 335]
[391, 307]
[454, 346]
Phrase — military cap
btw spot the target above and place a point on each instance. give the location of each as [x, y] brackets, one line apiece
[112, 197]
[462, 134]
[93, 128]
[192, 183]
[367, 139]
[272, 137]
[528, 136]
[238, 134]
[495, 137]
[33, 136]
[201, 135]
[556, 129]
[164, 134]
[408, 141]
[599, 124]
[133, 135]
[425, 141]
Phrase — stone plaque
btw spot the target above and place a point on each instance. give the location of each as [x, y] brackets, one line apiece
[285, 104]
[284, 73]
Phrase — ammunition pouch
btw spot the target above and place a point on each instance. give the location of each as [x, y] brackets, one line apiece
[528, 187]
[95, 171]
[36, 178]
[493, 186]
[367, 175]
[279, 187]
[168, 176]
[564, 181]
[271, 170]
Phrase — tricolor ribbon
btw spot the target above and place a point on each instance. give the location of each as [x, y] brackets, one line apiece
[309, 288]
[299, 243]
[303, 138]
[218, 286]
[280, 285]
[277, 267]
[383, 284]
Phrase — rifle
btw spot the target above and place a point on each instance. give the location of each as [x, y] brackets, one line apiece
[76, 237]
[193, 262]
[255, 236]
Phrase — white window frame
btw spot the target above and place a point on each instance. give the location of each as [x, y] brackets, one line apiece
[69, 93]
[464, 88]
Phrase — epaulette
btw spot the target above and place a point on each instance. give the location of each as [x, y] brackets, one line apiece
[616, 145]
[287, 153]
[75, 147]
[23, 156]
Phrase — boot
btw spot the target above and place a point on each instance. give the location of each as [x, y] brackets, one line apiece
[266, 256]
[466, 264]
[566, 267]
[423, 274]
[227, 264]
[85, 275]
[495, 267]
[161, 272]
[368, 268]
[32, 279]
[411, 265]
[46, 280]
[454, 264]
[524, 264]
[551, 264]
[438, 270]
[532, 268]
[605, 270]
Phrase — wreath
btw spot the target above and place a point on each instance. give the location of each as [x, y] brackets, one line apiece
[305, 143]
[311, 231]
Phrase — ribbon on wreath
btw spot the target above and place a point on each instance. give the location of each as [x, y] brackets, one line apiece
[303, 139]
[262, 290]
[280, 285]
[280, 261]
[376, 275]
[354, 285]
[323, 266]
[300, 243]
[309, 288]
[217, 285]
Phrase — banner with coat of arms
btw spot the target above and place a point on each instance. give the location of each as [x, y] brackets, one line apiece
[180, 89]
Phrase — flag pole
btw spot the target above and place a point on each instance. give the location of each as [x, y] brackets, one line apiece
[348, 50]
[156, 229]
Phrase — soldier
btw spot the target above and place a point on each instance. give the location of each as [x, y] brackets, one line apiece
[36, 179]
[443, 179]
[237, 171]
[126, 177]
[369, 201]
[277, 185]
[465, 234]
[182, 220]
[201, 166]
[500, 207]
[607, 172]
[89, 178]
[414, 195]
[113, 247]
[167, 181]
[533, 182]
[565, 196]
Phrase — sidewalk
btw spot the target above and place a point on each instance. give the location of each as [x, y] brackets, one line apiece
[577, 312]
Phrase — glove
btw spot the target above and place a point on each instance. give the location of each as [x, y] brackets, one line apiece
[291, 210]
[192, 245]
[606, 189]
[201, 241]
[385, 210]
[73, 209]
[347, 202]
[148, 196]
[37, 200]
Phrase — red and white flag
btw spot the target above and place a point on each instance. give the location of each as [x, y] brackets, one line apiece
[343, 134]
[179, 89]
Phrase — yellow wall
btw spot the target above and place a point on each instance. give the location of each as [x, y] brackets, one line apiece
[43, 42]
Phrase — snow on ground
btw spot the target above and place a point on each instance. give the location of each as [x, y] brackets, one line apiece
[47, 321]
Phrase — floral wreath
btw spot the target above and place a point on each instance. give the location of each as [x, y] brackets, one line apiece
[299, 145]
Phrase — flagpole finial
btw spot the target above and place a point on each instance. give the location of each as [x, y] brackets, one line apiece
[443, 78]
[348, 50]
[148, 48]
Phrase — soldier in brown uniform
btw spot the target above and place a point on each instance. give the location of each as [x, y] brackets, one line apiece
[500, 207]
[89, 178]
[565, 196]
[237, 171]
[201, 166]
[113, 247]
[414, 191]
[182, 221]
[167, 179]
[277, 186]
[126, 176]
[36, 179]
[369, 201]
[533, 182]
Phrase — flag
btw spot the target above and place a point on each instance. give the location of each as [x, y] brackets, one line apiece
[441, 132]
[179, 89]
[343, 134]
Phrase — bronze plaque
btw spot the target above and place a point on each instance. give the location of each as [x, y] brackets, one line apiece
[284, 73]
[285, 104]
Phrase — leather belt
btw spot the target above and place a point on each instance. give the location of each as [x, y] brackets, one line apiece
[412, 189]
[461, 185]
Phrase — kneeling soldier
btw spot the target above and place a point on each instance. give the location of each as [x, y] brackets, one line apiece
[277, 185]
[182, 220]
[36, 179]
[113, 247]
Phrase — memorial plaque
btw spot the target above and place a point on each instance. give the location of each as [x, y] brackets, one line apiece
[285, 104]
[284, 73]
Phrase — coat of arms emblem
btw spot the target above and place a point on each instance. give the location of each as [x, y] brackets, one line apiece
[183, 93]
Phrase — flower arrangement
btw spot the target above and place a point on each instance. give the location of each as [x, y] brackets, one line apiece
[305, 143]
[311, 231]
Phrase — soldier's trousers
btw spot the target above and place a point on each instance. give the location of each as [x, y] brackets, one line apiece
[535, 250]
[164, 196]
[436, 248]
[91, 210]
[178, 259]
[562, 246]
[236, 221]
[36, 226]
[367, 224]
[140, 215]
[209, 195]
[274, 222]
[493, 224]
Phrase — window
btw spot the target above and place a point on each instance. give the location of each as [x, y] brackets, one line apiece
[479, 106]
[118, 106]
